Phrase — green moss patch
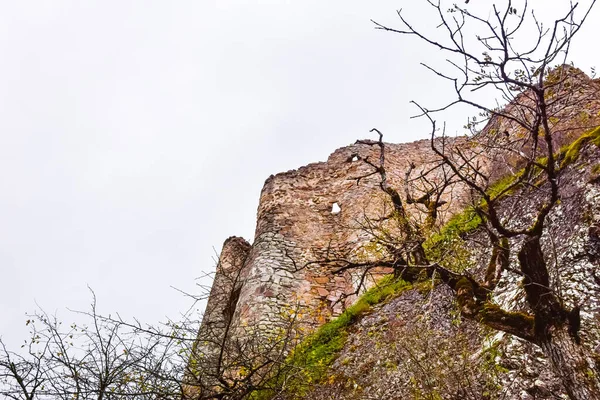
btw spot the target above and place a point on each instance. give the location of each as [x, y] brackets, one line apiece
[459, 225]
[310, 361]
[570, 153]
[446, 246]
[321, 348]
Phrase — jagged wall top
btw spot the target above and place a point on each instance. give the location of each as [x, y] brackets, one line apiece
[296, 227]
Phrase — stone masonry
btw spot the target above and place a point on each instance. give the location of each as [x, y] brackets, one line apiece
[310, 214]
[326, 210]
[323, 210]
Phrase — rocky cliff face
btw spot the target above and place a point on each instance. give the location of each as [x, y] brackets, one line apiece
[415, 345]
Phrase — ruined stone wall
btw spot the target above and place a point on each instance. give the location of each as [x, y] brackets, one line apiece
[325, 211]
[297, 226]
[217, 320]
[226, 287]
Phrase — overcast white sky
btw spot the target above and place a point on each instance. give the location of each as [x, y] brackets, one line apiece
[136, 135]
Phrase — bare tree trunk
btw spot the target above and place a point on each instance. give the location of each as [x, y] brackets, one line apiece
[568, 359]
[556, 329]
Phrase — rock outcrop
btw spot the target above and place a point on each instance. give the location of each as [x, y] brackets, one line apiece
[326, 211]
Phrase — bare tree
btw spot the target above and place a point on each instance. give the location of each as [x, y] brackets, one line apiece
[541, 103]
[108, 357]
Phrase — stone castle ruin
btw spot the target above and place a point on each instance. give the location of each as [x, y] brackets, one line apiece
[306, 215]
[323, 210]
[329, 210]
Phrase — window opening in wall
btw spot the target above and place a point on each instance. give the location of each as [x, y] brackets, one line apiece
[353, 158]
[335, 209]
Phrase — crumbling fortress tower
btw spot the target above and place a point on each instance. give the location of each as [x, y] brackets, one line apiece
[305, 216]
[311, 218]
[324, 211]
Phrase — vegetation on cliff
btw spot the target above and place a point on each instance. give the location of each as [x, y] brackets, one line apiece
[506, 272]
[316, 353]
[544, 104]
[320, 364]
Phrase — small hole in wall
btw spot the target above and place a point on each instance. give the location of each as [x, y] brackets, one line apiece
[335, 209]
[353, 158]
